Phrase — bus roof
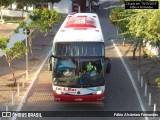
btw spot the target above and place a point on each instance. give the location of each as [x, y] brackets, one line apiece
[80, 27]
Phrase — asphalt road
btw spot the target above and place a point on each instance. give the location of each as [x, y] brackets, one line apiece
[119, 96]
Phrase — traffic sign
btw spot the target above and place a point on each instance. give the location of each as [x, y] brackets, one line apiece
[26, 31]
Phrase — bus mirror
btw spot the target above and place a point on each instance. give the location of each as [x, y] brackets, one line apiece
[108, 65]
[50, 63]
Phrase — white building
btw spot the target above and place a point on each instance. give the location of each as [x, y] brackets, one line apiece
[64, 6]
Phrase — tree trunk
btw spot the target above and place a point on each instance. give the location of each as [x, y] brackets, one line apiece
[139, 62]
[13, 74]
[51, 6]
[27, 8]
[23, 12]
[134, 50]
[1, 14]
[124, 42]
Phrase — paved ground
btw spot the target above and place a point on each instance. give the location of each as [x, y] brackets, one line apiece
[6, 30]
[119, 96]
[40, 47]
[150, 70]
[41, 44]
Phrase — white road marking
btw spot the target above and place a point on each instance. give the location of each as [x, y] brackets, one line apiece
[131, 78]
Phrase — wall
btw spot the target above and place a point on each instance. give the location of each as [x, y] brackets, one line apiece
[64, 6]
[14, 7]
[14, 13]
[154, 50]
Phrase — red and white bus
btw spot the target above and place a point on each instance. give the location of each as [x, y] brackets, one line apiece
[78, 61]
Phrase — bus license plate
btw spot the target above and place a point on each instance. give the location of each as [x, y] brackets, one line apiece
[78, 99]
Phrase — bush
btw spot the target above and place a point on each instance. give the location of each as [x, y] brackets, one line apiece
[16, 30]
[22, 24]
[11, 19]
[157, 80]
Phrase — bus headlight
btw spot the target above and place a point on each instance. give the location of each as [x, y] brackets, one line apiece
[99, 92]
[59, 92]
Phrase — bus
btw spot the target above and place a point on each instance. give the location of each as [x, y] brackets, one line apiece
[78, 61]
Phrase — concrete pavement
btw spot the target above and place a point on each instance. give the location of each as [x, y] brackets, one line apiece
[119, 96]
[7, 30]
[150, 70]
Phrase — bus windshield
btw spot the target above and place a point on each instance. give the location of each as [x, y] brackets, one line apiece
[79, 49]
[78, 72]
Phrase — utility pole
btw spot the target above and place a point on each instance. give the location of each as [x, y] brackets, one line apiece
[26, 32]
[79, 6]
[79, 9]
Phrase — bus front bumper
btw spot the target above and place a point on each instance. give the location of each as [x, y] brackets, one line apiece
[78, 98]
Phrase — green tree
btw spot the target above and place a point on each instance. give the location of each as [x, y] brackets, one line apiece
[42, 20]
[3, 4]
[137, 25]
[24, 3]
[17, 51]
[157, 81]
[120, 17]
[145, 24]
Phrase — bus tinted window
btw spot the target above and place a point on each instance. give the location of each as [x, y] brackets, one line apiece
[79, 49]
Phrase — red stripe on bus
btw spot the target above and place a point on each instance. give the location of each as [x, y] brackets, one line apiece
[78, 98]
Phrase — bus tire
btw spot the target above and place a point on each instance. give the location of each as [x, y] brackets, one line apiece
[50, 66]
[108, 67]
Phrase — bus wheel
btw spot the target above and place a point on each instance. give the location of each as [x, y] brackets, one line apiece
[50, 66]
[108, 67]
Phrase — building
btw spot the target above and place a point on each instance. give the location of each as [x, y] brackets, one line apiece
[64, 6]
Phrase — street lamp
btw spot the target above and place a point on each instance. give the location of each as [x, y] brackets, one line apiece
[26, 32]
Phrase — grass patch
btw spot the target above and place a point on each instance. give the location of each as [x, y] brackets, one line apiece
[9, 19]
[157, 81]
